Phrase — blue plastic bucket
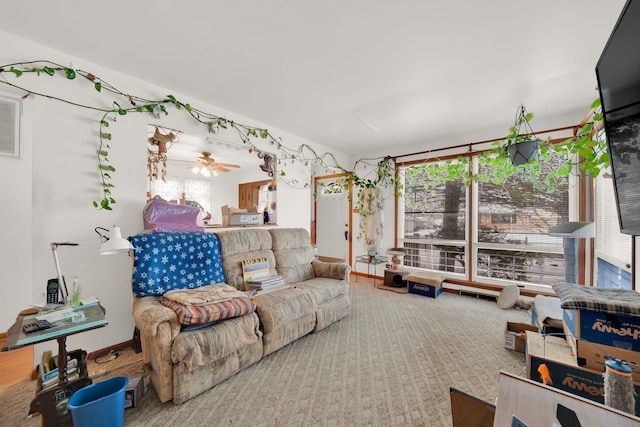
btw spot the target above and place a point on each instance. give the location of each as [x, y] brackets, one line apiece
[99, 404]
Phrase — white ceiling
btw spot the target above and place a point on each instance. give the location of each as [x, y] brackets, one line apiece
[354, 75]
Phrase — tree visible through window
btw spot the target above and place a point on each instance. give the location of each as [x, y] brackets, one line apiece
[520, 248]
[434, 222]
[512, 221]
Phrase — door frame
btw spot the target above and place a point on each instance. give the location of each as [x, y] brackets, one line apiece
[349, 213]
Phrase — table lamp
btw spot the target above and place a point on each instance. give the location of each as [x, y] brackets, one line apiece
[114, 243]
[62, 286]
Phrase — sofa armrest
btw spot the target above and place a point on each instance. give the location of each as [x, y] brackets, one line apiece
[149, 314]
[331, 270]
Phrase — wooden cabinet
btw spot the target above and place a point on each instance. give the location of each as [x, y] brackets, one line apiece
[249, 194]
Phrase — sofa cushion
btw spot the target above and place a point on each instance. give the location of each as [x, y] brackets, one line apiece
[324, 289]
[282, 307]
[241, 245]
[163, 261]
[293, 253]
[205, 346]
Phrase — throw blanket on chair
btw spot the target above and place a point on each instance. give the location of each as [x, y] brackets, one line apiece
[164, 261]
[208, 304]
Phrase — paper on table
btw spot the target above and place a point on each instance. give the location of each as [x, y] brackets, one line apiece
[89, 300]
[56, 315]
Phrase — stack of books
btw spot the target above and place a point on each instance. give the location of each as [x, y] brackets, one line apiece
[49, 373]
[260, 285]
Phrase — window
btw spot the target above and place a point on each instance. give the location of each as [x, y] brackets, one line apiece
[510, 240]
[196, 192]
[513, 222]
[332, 188]
[434, 222]
[612, 248]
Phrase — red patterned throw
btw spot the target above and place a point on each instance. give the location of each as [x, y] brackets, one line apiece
[207, 304]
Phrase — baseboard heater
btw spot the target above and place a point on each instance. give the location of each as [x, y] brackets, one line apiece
[469, 291]
[478, 295]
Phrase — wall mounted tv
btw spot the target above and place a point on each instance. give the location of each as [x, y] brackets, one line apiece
[618, 75]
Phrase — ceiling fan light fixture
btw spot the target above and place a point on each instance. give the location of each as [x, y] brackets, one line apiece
[207, 166]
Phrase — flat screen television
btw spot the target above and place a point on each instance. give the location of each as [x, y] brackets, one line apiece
[618, 75]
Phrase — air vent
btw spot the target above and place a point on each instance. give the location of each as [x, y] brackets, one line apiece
[10, 125]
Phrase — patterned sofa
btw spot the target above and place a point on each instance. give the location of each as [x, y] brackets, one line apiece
[191, 345]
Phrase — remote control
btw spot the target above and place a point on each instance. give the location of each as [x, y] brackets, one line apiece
[44, 324]
[32, 326]
[36, 325]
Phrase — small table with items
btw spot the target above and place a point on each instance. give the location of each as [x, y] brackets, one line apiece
[370, 260]
[33, 326]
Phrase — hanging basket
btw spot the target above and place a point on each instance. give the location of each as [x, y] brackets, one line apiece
[523, 152]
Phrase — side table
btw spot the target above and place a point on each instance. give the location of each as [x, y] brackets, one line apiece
[375, 261]
[51, 402]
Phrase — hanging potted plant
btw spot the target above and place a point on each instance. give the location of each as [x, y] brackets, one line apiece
[521, 148]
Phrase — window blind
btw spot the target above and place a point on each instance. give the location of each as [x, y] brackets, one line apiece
[611, 245]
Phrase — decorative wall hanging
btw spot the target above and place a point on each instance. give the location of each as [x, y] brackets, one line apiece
[157, 152]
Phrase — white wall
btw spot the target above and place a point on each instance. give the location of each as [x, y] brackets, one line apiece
[47, 194]
[15, 217]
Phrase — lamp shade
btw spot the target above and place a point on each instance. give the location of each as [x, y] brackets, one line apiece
[115, 244]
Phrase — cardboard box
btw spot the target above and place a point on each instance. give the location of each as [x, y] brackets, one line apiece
[431, 291]
[515, 337]
[542, 327]
[597, 327]
[134, 392]
[592, 356]
[555, 353]
[235, 216]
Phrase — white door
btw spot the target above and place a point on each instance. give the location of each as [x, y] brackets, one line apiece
[332, 219]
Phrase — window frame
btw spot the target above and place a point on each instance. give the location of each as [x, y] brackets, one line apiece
[471, 244]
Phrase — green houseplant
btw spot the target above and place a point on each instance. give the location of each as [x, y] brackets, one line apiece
[588, 144]
[583, 154]
[522, 148]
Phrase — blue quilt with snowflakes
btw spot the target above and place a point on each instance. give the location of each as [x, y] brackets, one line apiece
[164, 261]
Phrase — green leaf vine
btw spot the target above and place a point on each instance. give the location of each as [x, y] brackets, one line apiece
[583, 154]
[125, 104]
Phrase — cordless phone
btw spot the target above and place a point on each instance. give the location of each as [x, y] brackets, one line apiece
[52, 291]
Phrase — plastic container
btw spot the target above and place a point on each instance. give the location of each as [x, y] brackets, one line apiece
[100, 404]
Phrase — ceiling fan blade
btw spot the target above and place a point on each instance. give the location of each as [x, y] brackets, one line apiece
[228, 165]
[220, 168]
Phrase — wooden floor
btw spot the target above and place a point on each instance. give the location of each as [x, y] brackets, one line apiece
[15, 365]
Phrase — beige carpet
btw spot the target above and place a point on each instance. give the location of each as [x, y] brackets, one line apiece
[389, 363]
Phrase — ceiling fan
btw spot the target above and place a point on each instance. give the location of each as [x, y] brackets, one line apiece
[207, 165]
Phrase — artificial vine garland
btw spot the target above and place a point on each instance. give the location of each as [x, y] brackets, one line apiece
[125, 104]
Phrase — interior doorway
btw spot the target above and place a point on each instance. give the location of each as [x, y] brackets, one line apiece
[332, 218]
